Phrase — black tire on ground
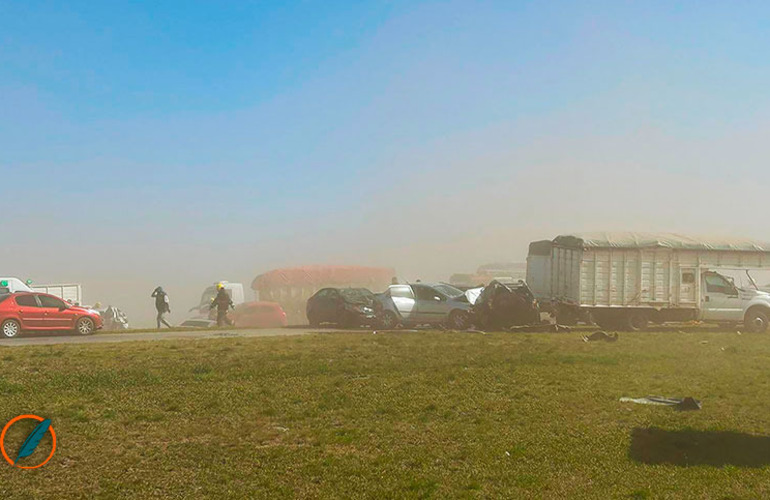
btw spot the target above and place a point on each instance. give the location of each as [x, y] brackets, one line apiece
[756, 320]
[459, 320]
[636, 321]
[85, 326]
[10, 328]
[388, 320]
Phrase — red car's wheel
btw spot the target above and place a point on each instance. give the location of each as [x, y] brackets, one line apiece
[11, 328]
[85, 326]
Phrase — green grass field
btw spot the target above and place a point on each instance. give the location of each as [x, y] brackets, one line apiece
[397, 415]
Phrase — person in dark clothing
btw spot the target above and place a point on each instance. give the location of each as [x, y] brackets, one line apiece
[222, 302]
[162, 306]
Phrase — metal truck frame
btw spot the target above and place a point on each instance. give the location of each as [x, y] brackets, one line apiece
[626, 280]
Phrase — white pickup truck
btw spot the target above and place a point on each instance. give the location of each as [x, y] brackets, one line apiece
[626, 280]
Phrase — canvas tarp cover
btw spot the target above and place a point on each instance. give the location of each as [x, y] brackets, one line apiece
[378, 277]
[658, 240]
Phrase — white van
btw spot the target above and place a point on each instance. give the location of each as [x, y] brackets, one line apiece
[13, 285]
[234, 290]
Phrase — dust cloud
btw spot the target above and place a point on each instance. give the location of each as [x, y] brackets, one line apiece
[428, 213]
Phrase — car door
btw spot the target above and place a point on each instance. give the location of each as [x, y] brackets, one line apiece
[56, 315]
[403, 298]
[30, 314]
[721, 299]
[431, 305]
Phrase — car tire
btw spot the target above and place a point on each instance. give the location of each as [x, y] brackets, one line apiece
[388, 321]
[85, 326]
[313, 321]
[636, 321]
[11, 328]
[459, 320]
[756, 321]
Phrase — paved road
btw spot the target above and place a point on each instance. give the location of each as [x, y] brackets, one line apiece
[59, 338]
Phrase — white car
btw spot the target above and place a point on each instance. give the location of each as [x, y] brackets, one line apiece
[425, 304]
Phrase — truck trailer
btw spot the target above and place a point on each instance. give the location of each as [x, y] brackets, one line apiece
[71, 292]
[627, 280]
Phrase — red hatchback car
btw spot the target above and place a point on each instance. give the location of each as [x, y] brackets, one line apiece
[27, 312]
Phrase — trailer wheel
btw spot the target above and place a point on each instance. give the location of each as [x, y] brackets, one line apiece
[756, 320]
[636, 321]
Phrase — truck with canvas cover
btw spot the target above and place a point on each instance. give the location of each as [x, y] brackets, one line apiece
[627, 280]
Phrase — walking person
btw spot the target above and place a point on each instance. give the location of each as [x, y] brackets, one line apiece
[162, 306]
[222, 302]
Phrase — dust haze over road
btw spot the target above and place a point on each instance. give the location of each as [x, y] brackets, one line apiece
[431, 152]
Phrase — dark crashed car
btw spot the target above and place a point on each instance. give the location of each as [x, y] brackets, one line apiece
[346, 307]
[502, 304]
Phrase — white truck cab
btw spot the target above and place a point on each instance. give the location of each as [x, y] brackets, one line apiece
[13, 285]
[723, 302]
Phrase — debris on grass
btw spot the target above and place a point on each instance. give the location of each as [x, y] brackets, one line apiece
[540, 327]
[601, 336]
[682, 404]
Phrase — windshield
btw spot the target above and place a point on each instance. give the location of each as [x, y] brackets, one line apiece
[208, 295]
[749, 279]
[448, 290]
[356, 294]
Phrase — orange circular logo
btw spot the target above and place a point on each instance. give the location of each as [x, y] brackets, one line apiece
[8, 426]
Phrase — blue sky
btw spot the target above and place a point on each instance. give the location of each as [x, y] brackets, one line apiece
[148, 138]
